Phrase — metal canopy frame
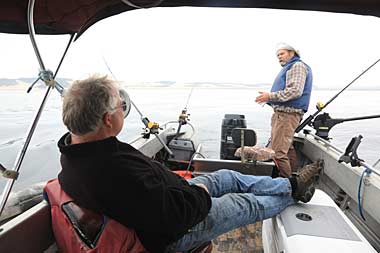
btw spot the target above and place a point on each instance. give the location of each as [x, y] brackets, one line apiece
[49, 78]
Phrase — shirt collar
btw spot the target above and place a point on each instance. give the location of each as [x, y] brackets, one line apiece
[107, 145]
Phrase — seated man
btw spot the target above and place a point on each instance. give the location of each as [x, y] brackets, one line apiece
[167, 212]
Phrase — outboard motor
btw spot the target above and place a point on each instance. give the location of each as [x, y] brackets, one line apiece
[227, 145]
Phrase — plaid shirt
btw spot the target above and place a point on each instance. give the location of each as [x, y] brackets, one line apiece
[295, 82]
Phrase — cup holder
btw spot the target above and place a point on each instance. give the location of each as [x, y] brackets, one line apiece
[303, 216]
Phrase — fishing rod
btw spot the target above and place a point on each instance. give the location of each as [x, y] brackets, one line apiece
[150, 126]
[109, 69]
[321, 106]
[184, 116]
[188, 97]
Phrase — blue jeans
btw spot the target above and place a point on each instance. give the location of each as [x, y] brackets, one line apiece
[237, 200]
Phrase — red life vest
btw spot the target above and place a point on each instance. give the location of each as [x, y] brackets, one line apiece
[114, 237]
[184, 173]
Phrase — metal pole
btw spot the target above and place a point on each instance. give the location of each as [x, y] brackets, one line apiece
[21, 154]
[361, 118]
[32, 33]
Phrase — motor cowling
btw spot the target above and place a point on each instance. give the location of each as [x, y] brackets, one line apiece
[227, 145]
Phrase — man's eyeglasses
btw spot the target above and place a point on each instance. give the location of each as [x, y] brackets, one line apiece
[125, 102]
[125, 108]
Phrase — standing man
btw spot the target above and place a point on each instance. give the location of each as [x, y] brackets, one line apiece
[289, 97]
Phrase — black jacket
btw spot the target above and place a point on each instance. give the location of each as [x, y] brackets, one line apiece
[113, 178]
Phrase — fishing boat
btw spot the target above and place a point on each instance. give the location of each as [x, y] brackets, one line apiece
[344, 212]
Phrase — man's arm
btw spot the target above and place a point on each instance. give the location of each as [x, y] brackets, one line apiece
[174, 208]
[295, 82]
[158, 200]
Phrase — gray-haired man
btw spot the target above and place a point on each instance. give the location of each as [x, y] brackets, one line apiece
[111, 177]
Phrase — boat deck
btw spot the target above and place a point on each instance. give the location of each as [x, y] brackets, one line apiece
[242, 240]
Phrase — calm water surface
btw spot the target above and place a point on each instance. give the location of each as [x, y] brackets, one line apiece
[206, 106]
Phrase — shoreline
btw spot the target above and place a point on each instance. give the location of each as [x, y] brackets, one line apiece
[19, 87]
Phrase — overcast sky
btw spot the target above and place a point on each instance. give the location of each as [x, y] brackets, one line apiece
[207, 44]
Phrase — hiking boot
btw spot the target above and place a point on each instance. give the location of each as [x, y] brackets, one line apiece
[305, 179]
[309, 172]
[304, 194]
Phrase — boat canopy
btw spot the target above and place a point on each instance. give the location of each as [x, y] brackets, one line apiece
[76, 16]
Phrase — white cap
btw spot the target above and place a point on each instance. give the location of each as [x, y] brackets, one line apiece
[285, 46]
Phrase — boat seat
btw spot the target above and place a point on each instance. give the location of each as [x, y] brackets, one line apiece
[77, 229]
[88, 224]
[249, 137]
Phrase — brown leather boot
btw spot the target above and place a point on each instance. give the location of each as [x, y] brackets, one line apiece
[305, 179]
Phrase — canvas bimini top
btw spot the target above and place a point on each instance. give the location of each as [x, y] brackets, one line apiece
[76, 16]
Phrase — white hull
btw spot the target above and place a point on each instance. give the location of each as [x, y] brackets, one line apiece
[319, 226]
[340, 181]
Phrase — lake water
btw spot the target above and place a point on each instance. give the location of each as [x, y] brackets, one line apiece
[206, 106]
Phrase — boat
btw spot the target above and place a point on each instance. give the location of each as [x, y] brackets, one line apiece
[343, 215]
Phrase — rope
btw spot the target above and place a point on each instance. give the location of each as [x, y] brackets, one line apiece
[366, 171]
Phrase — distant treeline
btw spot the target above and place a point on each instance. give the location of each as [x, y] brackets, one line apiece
[27, 80]
[66, 81]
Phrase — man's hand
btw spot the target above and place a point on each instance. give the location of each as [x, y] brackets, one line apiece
[262, 98]
[203, 186]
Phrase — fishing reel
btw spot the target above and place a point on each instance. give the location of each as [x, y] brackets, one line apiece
[151, 127]
[320, 105]
[309, 121]
[183, 117]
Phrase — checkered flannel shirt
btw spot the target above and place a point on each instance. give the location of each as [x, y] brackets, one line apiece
[295, 82]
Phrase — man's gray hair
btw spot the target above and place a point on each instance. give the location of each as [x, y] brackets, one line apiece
[86, 102]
